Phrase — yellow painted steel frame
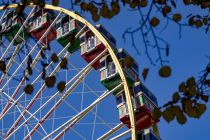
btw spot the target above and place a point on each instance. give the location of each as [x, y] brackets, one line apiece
[111, 52]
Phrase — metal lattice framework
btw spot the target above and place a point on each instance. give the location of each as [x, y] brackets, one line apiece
[33, 114]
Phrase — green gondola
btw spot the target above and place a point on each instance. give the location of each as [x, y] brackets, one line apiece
[66, 29]
[11, 24]
[110, 78]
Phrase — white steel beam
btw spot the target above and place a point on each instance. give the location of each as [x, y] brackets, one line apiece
[80, 115]
[68, 92]
[26, 110]
[110, 132]
[121, 135]
[42, 88]
[82, 73]
[17, 34]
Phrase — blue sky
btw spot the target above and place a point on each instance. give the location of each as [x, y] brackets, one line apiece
[187, 58]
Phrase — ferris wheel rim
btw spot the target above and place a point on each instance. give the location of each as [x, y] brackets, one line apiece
[110, 51]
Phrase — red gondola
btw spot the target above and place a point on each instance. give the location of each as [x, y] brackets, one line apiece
[11, 24]
[110, 78]
[91, 46]
[67, 28]
[147, 134]
[39, 23]
[144, 104]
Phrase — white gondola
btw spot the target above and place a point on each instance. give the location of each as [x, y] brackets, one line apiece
[109, 75]
[66, 28]
[91, 46]
[144, 103]
[39, 22]
[11, 24]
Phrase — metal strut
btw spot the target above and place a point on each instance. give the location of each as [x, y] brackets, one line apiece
[112, 54]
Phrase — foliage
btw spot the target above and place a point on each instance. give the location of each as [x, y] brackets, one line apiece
[61, 86]
[192, 95]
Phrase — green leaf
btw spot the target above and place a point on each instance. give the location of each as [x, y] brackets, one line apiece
[145, 73]
[191, 81]
[104, 10]
[54, 58]
[64, 63]
[2, 66]
[165, 71]
[191, 21]
[19, 10]
[77, 1]
[115, 7]
[176, 97]
[201, 108]
[50, 81]
[133, 4]
[29, 89]
[128, 61]
[182, 87]
[205, 98]
[168, 114]
[143, 3]
[157, 113]
[25, 2]
[176, 110]
[192, 90]
[186, 2]
[198, 23]
[177, 17]
[83, 6]
[181, 119]
[154, 21]
[61, 86]
[55, 2]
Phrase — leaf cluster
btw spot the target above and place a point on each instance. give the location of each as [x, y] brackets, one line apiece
[187, 102]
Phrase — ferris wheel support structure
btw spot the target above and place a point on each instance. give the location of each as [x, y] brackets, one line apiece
[8, 107]
[107, 134]
[111, 52]
[80, 115]
[79, 77]
[34, 62]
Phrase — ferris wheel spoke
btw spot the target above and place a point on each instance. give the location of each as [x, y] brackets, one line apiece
[36, 60]
[94, 122]
[121, 135]
[33, 49]
[26, 74]
[110, 132]
[21, 112]
[92, 91]
[85, 70]
[97, 116]
[36, 95]
[78, 134]
[23, 118]
[81, 114]
[2, 16]
[40, 133]
[17, 34]
[82, 74]
[42, 88]
[69, 124]
[38, 114]
[17, 49]
[59, 101]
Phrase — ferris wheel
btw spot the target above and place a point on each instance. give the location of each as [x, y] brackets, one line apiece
[63, 78]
